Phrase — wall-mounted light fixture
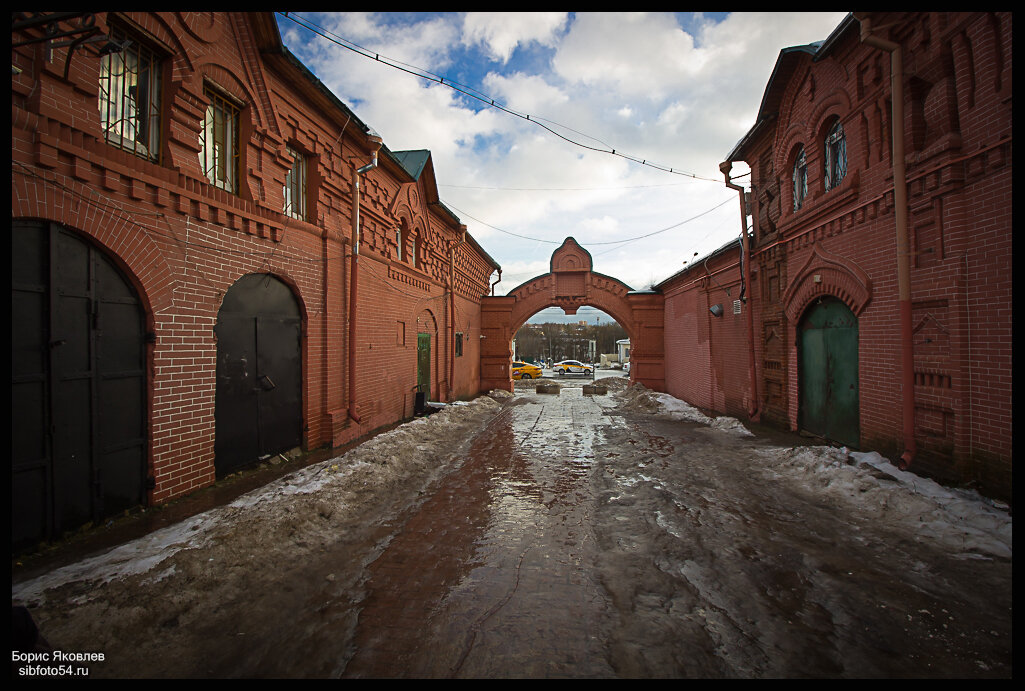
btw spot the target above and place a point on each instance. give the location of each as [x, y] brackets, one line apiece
[716, 310]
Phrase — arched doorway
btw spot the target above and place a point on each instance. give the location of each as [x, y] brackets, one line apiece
[427, 375]
[828, 372]
[79, 395]
[570, 284]
[259, 372]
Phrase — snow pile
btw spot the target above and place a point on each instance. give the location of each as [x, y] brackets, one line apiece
[638, 397]
[961, 520]
[300, 511]
[613, 383]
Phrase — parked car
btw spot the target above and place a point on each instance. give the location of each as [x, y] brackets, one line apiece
[572, 367]
[626, 368]
[525, 370]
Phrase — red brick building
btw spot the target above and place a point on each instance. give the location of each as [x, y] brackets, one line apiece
[186, 296]
[830, 332]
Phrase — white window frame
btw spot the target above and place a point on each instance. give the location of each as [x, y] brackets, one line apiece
[220, 149]
[835, 150]
[130, 97]
[295, 188]
[800, 179]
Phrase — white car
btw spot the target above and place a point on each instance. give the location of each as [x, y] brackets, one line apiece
[572, 367]
[626, 368]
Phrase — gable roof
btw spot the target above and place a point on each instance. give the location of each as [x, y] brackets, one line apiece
[415, 163]
[786, 64]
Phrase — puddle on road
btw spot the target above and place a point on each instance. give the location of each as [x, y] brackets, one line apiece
[492, 577]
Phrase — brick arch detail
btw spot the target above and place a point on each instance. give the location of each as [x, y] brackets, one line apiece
[426, 322]
[827, 274]
[835, 103]
[571, 284]
[141, 260]
[286, 278]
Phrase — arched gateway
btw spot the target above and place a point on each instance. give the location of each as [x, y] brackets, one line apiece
[571, 284]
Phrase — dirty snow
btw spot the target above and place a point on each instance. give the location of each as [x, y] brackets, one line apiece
[666, 406]
[272, 539]
[963, 520]
[337, 486]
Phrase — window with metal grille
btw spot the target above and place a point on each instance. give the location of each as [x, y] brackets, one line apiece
[800, 180]
[835, 156]
[459, 343]
[295, 186]
[218, 140]
[129, 97]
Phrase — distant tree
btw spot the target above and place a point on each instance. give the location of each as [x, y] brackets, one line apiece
[566, 341]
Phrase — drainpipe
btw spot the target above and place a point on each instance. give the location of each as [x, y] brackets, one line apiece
[754, 411]
[496, 283]
[375, 141]
[900, 203]
[452, 311]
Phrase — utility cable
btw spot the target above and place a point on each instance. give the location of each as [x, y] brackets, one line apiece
[478, 96]
[590, 244]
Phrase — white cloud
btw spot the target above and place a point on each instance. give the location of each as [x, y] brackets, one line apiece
[637, 83]
[502, 32]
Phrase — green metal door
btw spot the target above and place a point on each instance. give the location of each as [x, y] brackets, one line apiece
[828, 369]
[423, 364]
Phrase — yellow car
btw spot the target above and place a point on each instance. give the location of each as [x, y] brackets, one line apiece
[525, 370]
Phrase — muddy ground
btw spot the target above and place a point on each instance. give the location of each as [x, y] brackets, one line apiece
[632, 535]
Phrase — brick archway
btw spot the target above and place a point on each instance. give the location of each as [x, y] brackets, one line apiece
[571, 284]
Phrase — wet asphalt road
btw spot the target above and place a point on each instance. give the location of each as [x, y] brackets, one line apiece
[495, 575]
[579, 540]
[576, 537]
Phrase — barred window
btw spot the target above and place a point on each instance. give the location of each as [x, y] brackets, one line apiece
[219, 142]
[459, 343]
[295, 186]
[800, 180]
[835, 156]
[130, 96]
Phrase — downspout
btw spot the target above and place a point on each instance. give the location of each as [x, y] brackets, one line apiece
[496, 283]
[900, 203]
[754, 411]
[452, 311]
[354, 269]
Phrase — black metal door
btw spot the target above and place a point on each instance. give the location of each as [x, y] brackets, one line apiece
[78, 385]
[259, 393]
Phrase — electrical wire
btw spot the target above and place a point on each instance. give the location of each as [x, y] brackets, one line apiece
[560, 189]
[591, 244]
[479, 96]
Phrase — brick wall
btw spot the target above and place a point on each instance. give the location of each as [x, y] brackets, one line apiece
[958, 118]
[182, 243]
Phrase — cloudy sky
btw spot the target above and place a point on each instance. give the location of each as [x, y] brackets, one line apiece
[676, 91]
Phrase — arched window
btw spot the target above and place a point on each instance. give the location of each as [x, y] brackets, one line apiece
[835, 156]
[800, 179]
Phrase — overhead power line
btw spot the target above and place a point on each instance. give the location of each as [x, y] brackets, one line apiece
[589, 244]
[483, 98]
